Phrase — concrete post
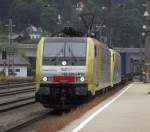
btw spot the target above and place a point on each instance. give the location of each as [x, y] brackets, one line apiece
[147, 43]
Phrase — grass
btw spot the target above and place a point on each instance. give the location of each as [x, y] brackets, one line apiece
[77, 113]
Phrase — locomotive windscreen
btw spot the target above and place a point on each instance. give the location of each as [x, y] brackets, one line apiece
[74, 53]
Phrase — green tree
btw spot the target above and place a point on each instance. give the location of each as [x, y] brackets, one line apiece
[25, 13]
[49, 19]
[1, 27]
[126, 16]
[126, 24]
[4, 10]
[67, 12]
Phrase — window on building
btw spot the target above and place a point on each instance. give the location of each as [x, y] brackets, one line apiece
[10, 72]
[17, 70]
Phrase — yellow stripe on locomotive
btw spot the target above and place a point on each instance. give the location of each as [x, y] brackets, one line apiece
[39, 61]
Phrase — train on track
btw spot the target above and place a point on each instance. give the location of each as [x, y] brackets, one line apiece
[69, 69]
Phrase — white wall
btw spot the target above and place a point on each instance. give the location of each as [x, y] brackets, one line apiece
[21, 73]
[34, 36]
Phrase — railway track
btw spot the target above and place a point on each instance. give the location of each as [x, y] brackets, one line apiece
[27, 117]
[12, 88]
[26, 123]
[15, 82]
[6, 106]
[18, 91]
[16, 95]
[15, 85]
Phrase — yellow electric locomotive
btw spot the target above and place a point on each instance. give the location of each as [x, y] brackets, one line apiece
[115, 68]
[69, 68]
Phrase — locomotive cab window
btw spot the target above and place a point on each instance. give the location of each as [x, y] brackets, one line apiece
[72, 52]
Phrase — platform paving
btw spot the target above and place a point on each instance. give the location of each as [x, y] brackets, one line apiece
[126, 111]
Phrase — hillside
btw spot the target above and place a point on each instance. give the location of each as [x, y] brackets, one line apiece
[53, 15]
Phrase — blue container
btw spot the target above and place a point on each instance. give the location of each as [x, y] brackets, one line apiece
[123, 64]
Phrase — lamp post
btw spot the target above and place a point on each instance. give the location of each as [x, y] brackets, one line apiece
[141, 54]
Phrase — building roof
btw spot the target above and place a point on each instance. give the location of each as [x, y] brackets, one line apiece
[18, 60]
[33, 30]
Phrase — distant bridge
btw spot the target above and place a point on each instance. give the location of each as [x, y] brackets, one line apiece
[28, 49]
[134, 53]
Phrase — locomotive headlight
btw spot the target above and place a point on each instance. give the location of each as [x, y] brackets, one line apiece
[44, 79]
[82, 79]
[64, 63]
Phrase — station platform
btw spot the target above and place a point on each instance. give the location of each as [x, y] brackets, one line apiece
[126, 111]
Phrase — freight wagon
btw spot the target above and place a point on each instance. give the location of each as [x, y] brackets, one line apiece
[126, 67]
